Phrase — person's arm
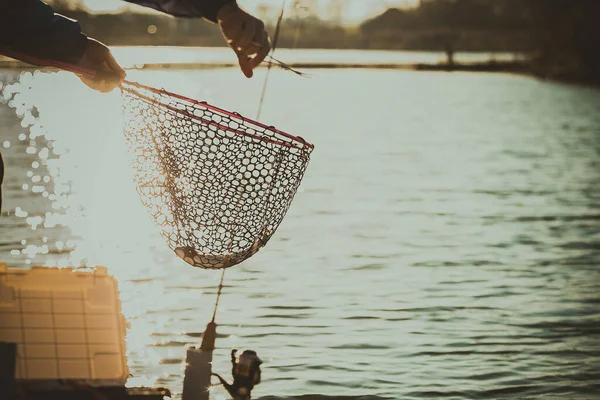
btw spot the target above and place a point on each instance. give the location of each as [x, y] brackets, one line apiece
[30, 27]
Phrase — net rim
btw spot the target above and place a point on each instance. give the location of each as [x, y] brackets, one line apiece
[218, 125]
[299, 141]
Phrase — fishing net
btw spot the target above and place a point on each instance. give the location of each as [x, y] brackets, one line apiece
[216, 183]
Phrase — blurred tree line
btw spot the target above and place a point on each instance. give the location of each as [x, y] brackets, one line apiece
[468, 25]
[561, 36]
[566, 38]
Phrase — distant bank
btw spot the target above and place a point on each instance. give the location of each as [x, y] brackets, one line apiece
[198, 58]
[193, 58]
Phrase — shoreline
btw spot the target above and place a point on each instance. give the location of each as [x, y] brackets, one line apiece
[490, 66]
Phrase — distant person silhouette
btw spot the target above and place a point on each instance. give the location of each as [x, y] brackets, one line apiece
[31, 28]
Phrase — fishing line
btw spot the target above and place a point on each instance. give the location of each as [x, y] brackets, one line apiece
[275, 39]
[260, 104]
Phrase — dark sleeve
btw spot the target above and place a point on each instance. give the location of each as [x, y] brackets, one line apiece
[208, 9]
[30, 27]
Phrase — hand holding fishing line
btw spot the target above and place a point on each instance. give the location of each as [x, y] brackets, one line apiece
[246, 35]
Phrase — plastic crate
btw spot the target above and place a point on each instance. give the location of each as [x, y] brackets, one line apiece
[67, 324]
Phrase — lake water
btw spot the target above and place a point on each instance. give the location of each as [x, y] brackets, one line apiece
[445, 242]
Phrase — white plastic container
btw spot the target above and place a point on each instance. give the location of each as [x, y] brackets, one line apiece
[67, 324]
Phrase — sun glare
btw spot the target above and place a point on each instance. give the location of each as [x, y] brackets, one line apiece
[351, 11]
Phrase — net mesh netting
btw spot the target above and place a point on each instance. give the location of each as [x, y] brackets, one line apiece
[217, 184]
